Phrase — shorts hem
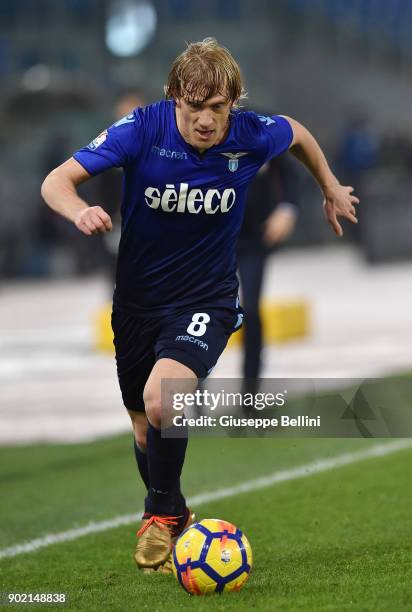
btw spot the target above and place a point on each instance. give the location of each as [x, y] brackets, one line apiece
[139, 408]
[185, 359]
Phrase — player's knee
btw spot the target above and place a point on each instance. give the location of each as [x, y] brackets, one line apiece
[153, 407]
[141, 440]
[140, 433]
[140, 425]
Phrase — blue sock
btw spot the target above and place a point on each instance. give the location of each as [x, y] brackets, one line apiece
[141, 460]
[165, 457]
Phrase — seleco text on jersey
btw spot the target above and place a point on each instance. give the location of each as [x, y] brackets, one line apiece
[190, 200]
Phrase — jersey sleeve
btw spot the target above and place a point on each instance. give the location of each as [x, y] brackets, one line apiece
[277, 135]
[117, 146]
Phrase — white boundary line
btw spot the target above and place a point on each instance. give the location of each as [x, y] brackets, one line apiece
[317, 466]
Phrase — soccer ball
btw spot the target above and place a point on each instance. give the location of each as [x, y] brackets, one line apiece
[212, 556]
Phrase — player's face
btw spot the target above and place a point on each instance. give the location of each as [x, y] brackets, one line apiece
[203, 124]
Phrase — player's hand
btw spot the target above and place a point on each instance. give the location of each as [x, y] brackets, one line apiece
[93, 220]
[279, 225]
[339, 202]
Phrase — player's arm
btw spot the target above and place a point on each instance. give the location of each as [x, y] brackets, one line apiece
[59, 191]
[339, 201]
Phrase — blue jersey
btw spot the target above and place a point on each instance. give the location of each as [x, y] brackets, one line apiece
[181, 210]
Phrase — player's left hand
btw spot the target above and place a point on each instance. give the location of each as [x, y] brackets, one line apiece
[339, 202]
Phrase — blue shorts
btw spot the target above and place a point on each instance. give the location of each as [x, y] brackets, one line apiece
[194, 336]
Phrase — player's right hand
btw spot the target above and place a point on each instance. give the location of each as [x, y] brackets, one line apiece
[339, 202]
[93, 220]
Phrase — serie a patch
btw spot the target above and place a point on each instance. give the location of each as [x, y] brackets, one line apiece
[98, 141]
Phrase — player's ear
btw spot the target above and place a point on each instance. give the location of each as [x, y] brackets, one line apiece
[178, 102]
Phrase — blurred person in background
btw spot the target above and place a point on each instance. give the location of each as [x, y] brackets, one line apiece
[53, 233]
[270, 217]
[357, 155]
[109, 188]
[59, 248]
[188, 161]
[358, 149]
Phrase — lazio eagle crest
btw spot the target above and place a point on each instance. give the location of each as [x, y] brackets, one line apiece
[234, 160]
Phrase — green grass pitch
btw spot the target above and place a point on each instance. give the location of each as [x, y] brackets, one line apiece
[338, 540]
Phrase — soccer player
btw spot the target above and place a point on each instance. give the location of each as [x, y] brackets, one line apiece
[187, 162]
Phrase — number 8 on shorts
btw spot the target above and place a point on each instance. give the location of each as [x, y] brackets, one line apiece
[198, 325]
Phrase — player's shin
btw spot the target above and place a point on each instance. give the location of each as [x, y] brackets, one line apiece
[142, 465]
[165, 455]
[166, 514]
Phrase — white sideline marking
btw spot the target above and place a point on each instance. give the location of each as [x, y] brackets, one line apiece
[317, 466]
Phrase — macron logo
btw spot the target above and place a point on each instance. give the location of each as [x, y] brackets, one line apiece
[181, 199]
[266, 120]
[168, 153]
[196, 341]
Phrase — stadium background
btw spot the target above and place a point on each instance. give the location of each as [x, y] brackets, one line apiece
[342, 69]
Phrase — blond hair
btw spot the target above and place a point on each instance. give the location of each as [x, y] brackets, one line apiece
[203, 70]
